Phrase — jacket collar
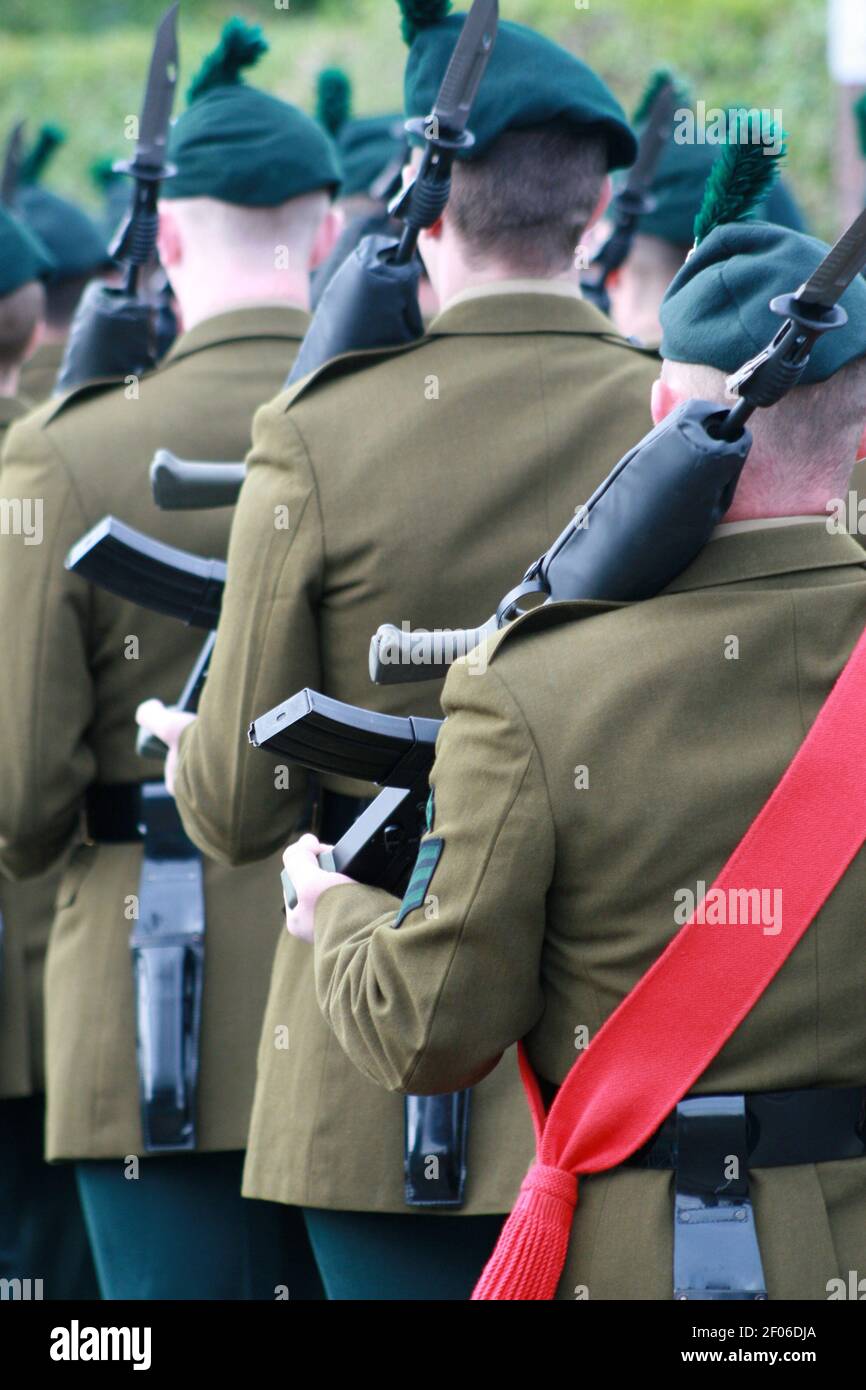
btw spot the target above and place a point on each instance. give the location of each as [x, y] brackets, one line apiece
[760, 554]
[248, 321]
[538, 312]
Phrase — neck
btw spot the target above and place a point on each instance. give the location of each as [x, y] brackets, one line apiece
[453, 279]
[9, 381]
[222, 292]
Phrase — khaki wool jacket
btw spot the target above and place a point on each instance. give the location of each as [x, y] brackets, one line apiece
[76, 664]
[420, 485]
[556, 891]
[39, 373]
[26, 910]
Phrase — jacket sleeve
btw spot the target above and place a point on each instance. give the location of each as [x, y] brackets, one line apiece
[239, 804]
[46, 692]
[431, 1007]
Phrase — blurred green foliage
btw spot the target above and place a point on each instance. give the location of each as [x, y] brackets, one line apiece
[82, 63]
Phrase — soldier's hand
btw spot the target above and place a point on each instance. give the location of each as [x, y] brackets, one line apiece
[168, 725]
[310, 880]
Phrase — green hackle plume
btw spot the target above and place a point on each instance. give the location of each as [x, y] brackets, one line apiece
[103, 173]
[241, 45]
[658, 79]
[333, 100]
[739, 181]
[421, 14]
[33, 165]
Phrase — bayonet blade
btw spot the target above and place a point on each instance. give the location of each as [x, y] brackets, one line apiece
[466, 68]
[842, 264]
[11, 164]
[653, 139]
[159, 94]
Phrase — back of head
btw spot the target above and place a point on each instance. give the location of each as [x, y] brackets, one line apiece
[716, 316]
[526, 203]
[547, 131]
[254, 179]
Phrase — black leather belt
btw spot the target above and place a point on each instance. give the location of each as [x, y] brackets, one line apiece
[711, 1143]
[113, 812]
[783, 1128]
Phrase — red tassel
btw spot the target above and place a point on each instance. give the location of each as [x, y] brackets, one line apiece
[530, 1254]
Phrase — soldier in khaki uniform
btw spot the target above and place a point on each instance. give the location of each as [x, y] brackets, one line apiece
[682, 744]
[238, 235]
[79, 252]
[41, 1228]
[420, 484]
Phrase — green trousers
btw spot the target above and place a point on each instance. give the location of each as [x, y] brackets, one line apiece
[181, 1230]
[42, 1233]
[380, 1256]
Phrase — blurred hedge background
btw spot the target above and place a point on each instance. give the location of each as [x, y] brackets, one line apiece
[81, 63]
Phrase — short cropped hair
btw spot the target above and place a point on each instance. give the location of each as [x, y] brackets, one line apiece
[20, 312]
[526, 203]
[809, 439]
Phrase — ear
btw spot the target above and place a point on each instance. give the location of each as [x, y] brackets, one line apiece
[434, 233]
[168, 239]
[861, 448]
[600, 208]
[329, 233]
[664, 400]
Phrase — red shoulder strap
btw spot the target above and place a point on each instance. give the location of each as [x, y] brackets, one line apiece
[664, 1035]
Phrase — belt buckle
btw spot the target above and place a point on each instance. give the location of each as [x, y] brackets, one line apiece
[716, 1254]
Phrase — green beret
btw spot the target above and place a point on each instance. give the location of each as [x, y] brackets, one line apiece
[678, 190]
[368, 146]
[716, 310]
[22, 257]
[241, 145]
[71, 237]
[529, 80]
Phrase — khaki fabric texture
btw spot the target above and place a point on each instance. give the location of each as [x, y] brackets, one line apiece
[26, 910]
[39, 372]
[419, 486]
[554, 899]
[80, 662]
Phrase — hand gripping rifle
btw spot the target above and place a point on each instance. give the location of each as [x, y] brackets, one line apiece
[634, 200]
[114, 332]
[144, 571]
[641, 528]
[372, 300]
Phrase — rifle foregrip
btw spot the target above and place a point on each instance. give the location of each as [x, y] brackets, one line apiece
[181, 485]
[400, 657]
